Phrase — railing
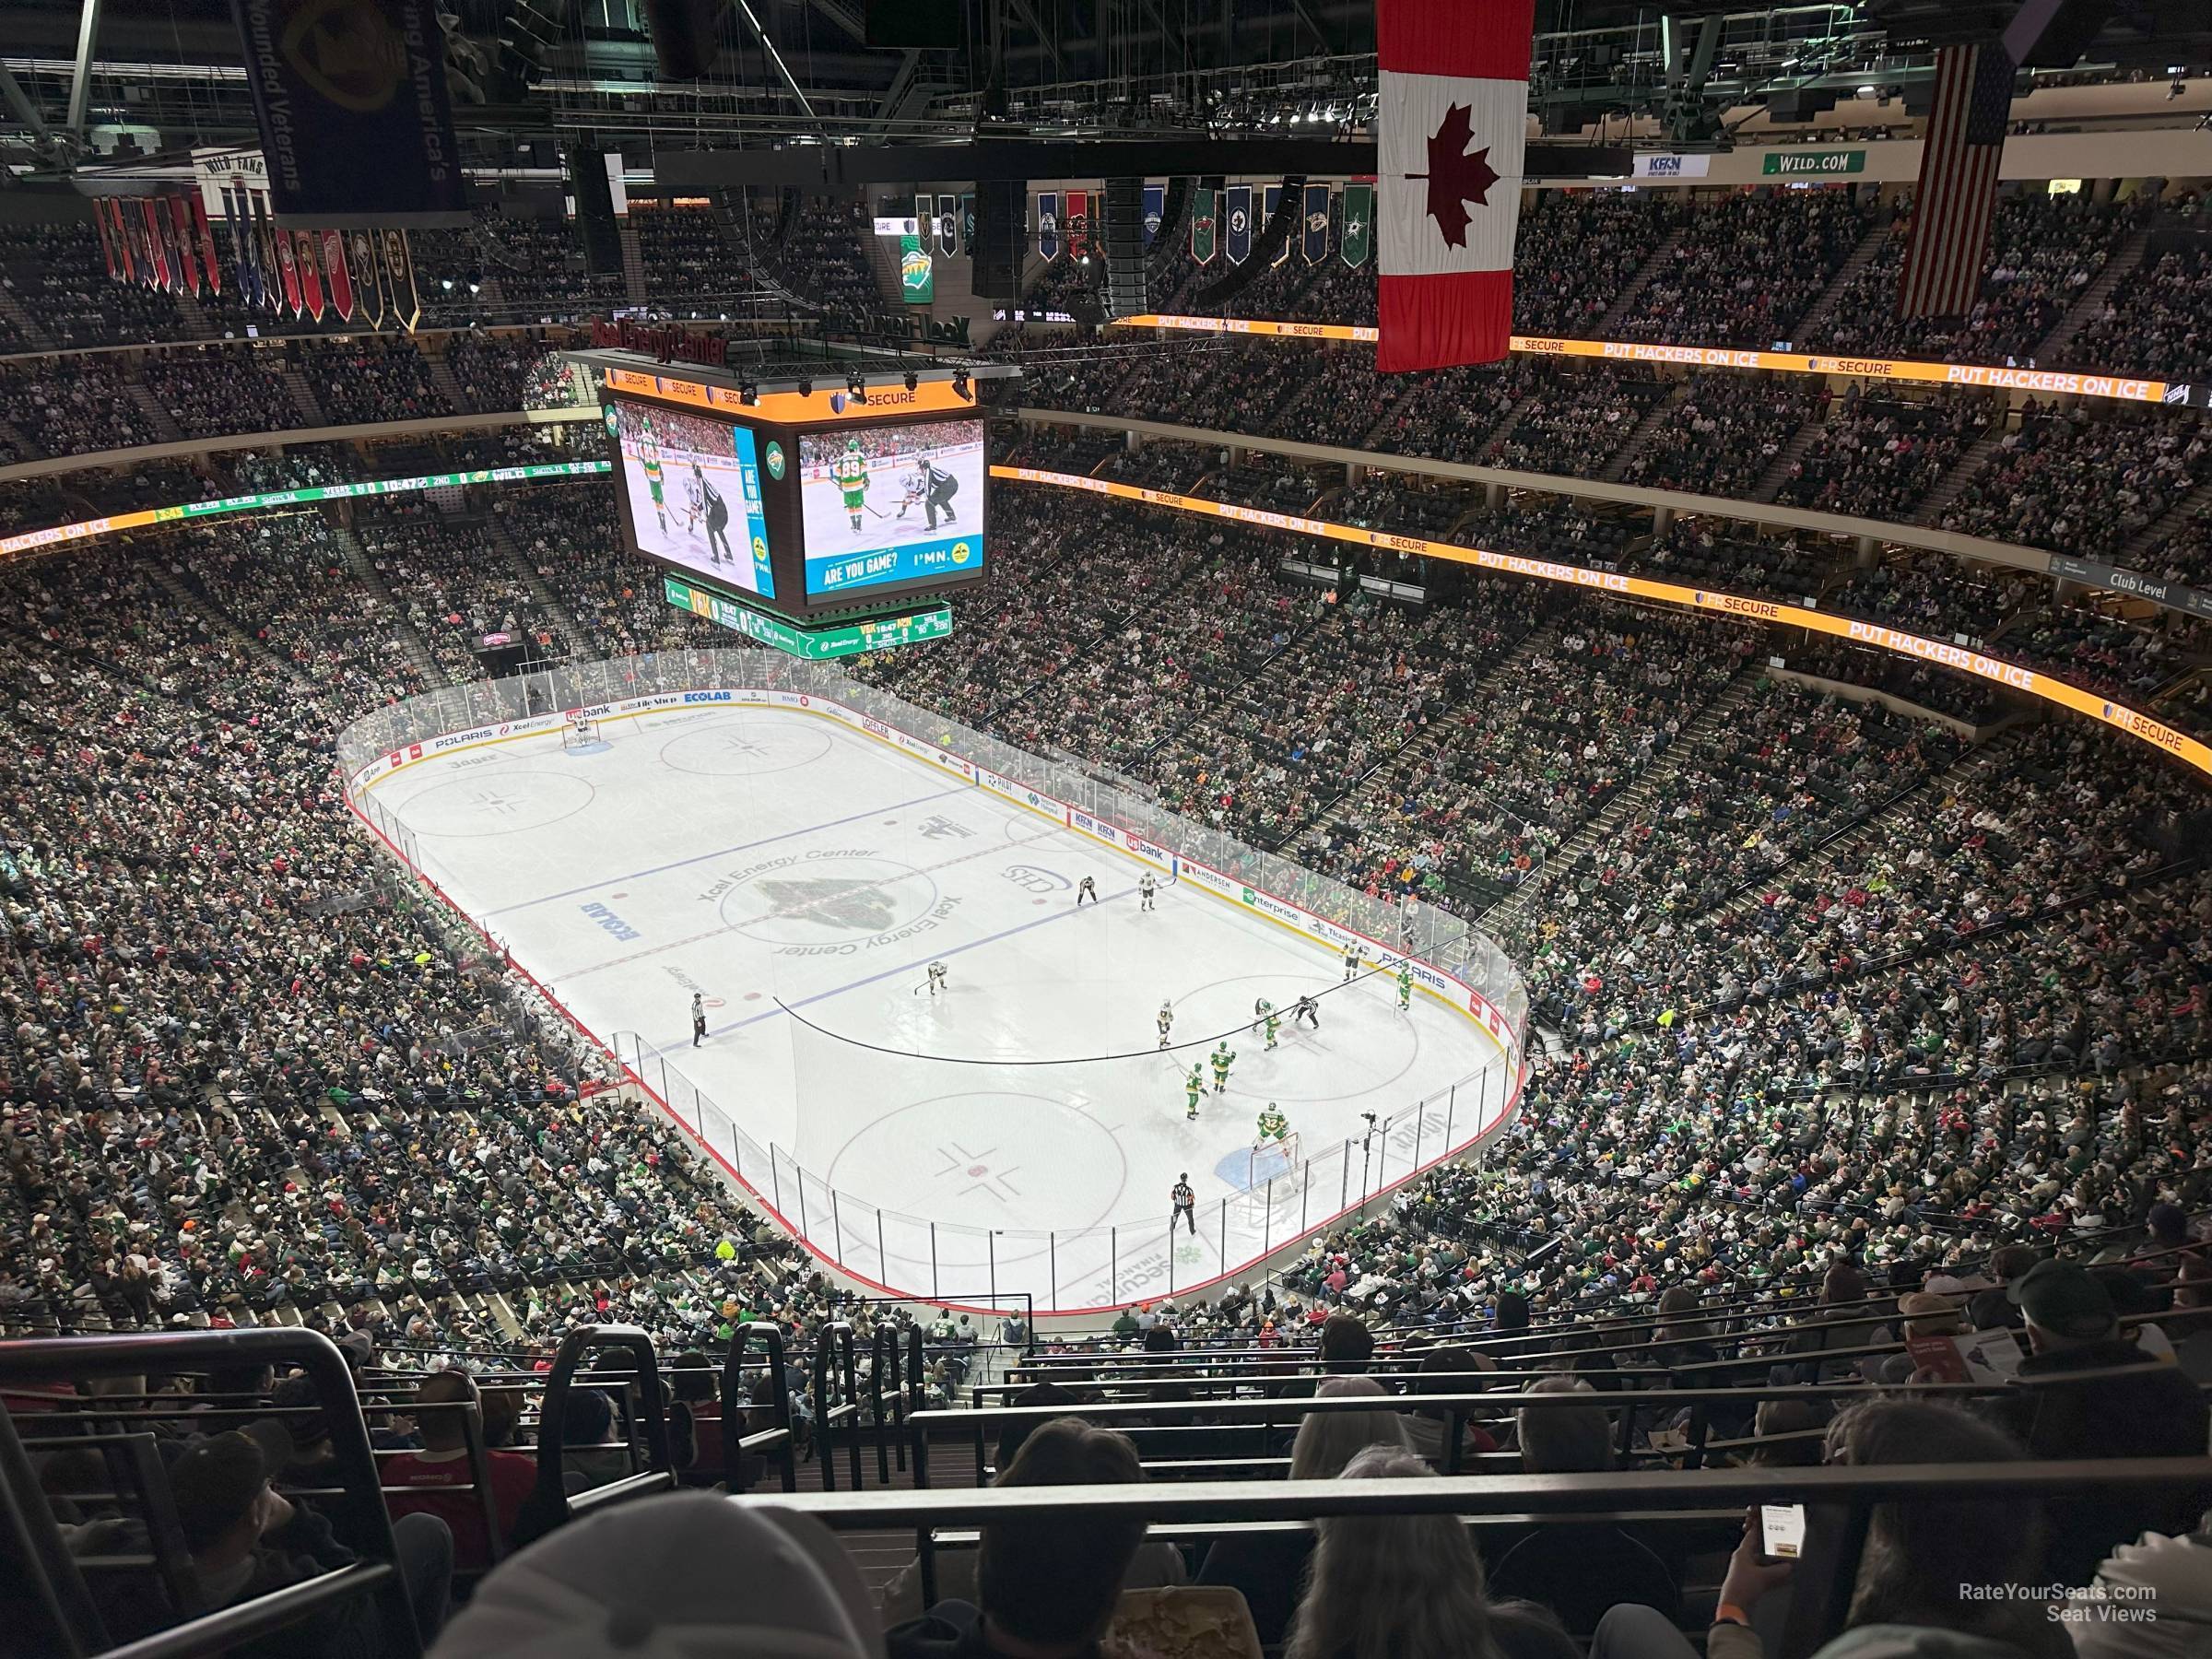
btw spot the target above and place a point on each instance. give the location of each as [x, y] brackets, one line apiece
[1116, 1261]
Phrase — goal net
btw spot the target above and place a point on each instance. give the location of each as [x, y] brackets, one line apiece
[1268, 1174]
[578, 730]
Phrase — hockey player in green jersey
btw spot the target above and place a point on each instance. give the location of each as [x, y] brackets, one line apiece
[851, 471]
[1274, 1126]
[1405, 985]
[1194, 1086]
[1224, 1057]
[649, 458]
[1274, 1023]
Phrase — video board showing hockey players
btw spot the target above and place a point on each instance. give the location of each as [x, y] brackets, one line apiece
[691, 492]
[892, 504]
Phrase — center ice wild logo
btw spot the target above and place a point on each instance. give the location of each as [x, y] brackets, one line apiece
[855, 906]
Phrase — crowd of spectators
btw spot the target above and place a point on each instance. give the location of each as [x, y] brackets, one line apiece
[213, 389]
[499, 371]
[1878, 455]
[1722, 435]
[2153, 324]
[364, 380]
[1742, 270]
[2082, 482]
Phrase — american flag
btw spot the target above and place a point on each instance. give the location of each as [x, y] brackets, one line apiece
[1957, 189]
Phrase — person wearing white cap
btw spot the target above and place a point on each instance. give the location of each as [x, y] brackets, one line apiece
[682, 1576]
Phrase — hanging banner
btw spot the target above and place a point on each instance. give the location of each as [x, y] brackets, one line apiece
[399, 280]
[311, 275]
[1048, 224]
[1202, 226]
[1357, 240]
[109, 212]
[245, 254]
[1316, 243]
[288, 265]
[352, 106]
[1239, 223]
[368, 278]
[107, 242]
[949, 226]
[341, 279]
[917, 279]
[155, 241]
[282, 281]
[185, 238]
[968, 218]
[1156, 209]
[1275, 200]
[205, 231]
[1078, 223]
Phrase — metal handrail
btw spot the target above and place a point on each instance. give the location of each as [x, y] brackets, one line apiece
[734, 1405]
[833, 1343]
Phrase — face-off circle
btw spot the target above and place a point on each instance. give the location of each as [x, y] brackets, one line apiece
[745, 748]
[500, 803]
[997, 1158]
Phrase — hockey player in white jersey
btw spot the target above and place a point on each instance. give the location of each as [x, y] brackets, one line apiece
[1145, 889]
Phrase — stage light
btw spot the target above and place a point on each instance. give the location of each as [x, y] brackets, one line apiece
[748, 393]
[959, 383]
[856, 387]
[912, 380]
[446, 283]
[805, 388]
[476, 282]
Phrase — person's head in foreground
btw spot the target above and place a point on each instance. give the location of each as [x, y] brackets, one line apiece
[1048, 1583]
[1409, 1587]
[1329, 1440]
[686, 1575]
[2065, 1306]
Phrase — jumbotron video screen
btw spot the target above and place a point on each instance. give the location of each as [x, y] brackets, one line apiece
[892, 505]
[690, 489]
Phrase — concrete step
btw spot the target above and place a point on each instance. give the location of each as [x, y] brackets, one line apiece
[1778, 470]
[1949, 489]
[1657, 416]
[2124, 263]
[403, 630]
[1870, 246]
[1662, 258]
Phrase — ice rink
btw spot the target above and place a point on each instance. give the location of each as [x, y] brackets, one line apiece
[1021, 1132]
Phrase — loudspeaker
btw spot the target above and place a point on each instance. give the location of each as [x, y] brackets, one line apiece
[996, 255]
[684, 42]
[594, 212]
[1124, 247]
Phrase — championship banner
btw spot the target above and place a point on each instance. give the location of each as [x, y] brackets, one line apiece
[287, 264]
[1202, 226]
[341, 279]
[1239, 223]
[180, 278]
[352, 106]
[107, 242]
[968, 218]
[155, 241]
[1156, 209]
[399, 280]
[1274, 198]
[185, 239]
[206, 232]
[949, 226]
[1078, 223]
[1048, 224]
[1316, 245]
[368, 278]
[253, 287]
[282, 282]
[310, 278]
[109, 212]
[1451, 131]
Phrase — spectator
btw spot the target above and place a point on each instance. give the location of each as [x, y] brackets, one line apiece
[435, 1475]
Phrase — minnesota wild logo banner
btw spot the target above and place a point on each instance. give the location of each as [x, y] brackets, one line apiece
[1357, 240]
[1202, 226]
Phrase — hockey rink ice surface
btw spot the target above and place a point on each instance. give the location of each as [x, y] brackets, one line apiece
[775, 860]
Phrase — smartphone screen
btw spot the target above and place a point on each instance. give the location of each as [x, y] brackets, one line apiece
[1782, 1531]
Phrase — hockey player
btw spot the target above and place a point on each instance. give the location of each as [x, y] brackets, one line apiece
[1086, 888]
[1261, 1008]
[1185, 1203]
[1193, 1085]
[649, 457]
[698, 1018]
[717, 513]
[1223, 1058]
[1166, 1019]
[1306, 1013]
[1146, 889]
[851, 471]
[937, 978]
[1274, 1024]
[1405, 985]
[1352, 954]
[1274, 1126]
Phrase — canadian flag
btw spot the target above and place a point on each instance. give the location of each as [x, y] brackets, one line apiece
[1453, 119]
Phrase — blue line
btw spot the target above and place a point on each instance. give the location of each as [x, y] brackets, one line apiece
[909, 968]
[724, 852]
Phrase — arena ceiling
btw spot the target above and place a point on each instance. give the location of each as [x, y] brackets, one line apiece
[165, 75]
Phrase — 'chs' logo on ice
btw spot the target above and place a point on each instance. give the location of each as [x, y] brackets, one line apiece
[855, 906]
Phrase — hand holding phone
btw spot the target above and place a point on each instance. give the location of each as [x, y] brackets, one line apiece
[1781, 1532]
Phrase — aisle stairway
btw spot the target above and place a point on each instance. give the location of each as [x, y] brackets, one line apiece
[2140, 550]
[192, 597]
[1639, 436]
[2124, 263]
[1953, 483]
[1864, 254]
[579, 643]
[1661, 259]
[402, 630]
[1778, 470]
[164, 424]
[303, 396]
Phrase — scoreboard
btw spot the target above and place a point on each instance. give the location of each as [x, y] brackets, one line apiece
[810, 504]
